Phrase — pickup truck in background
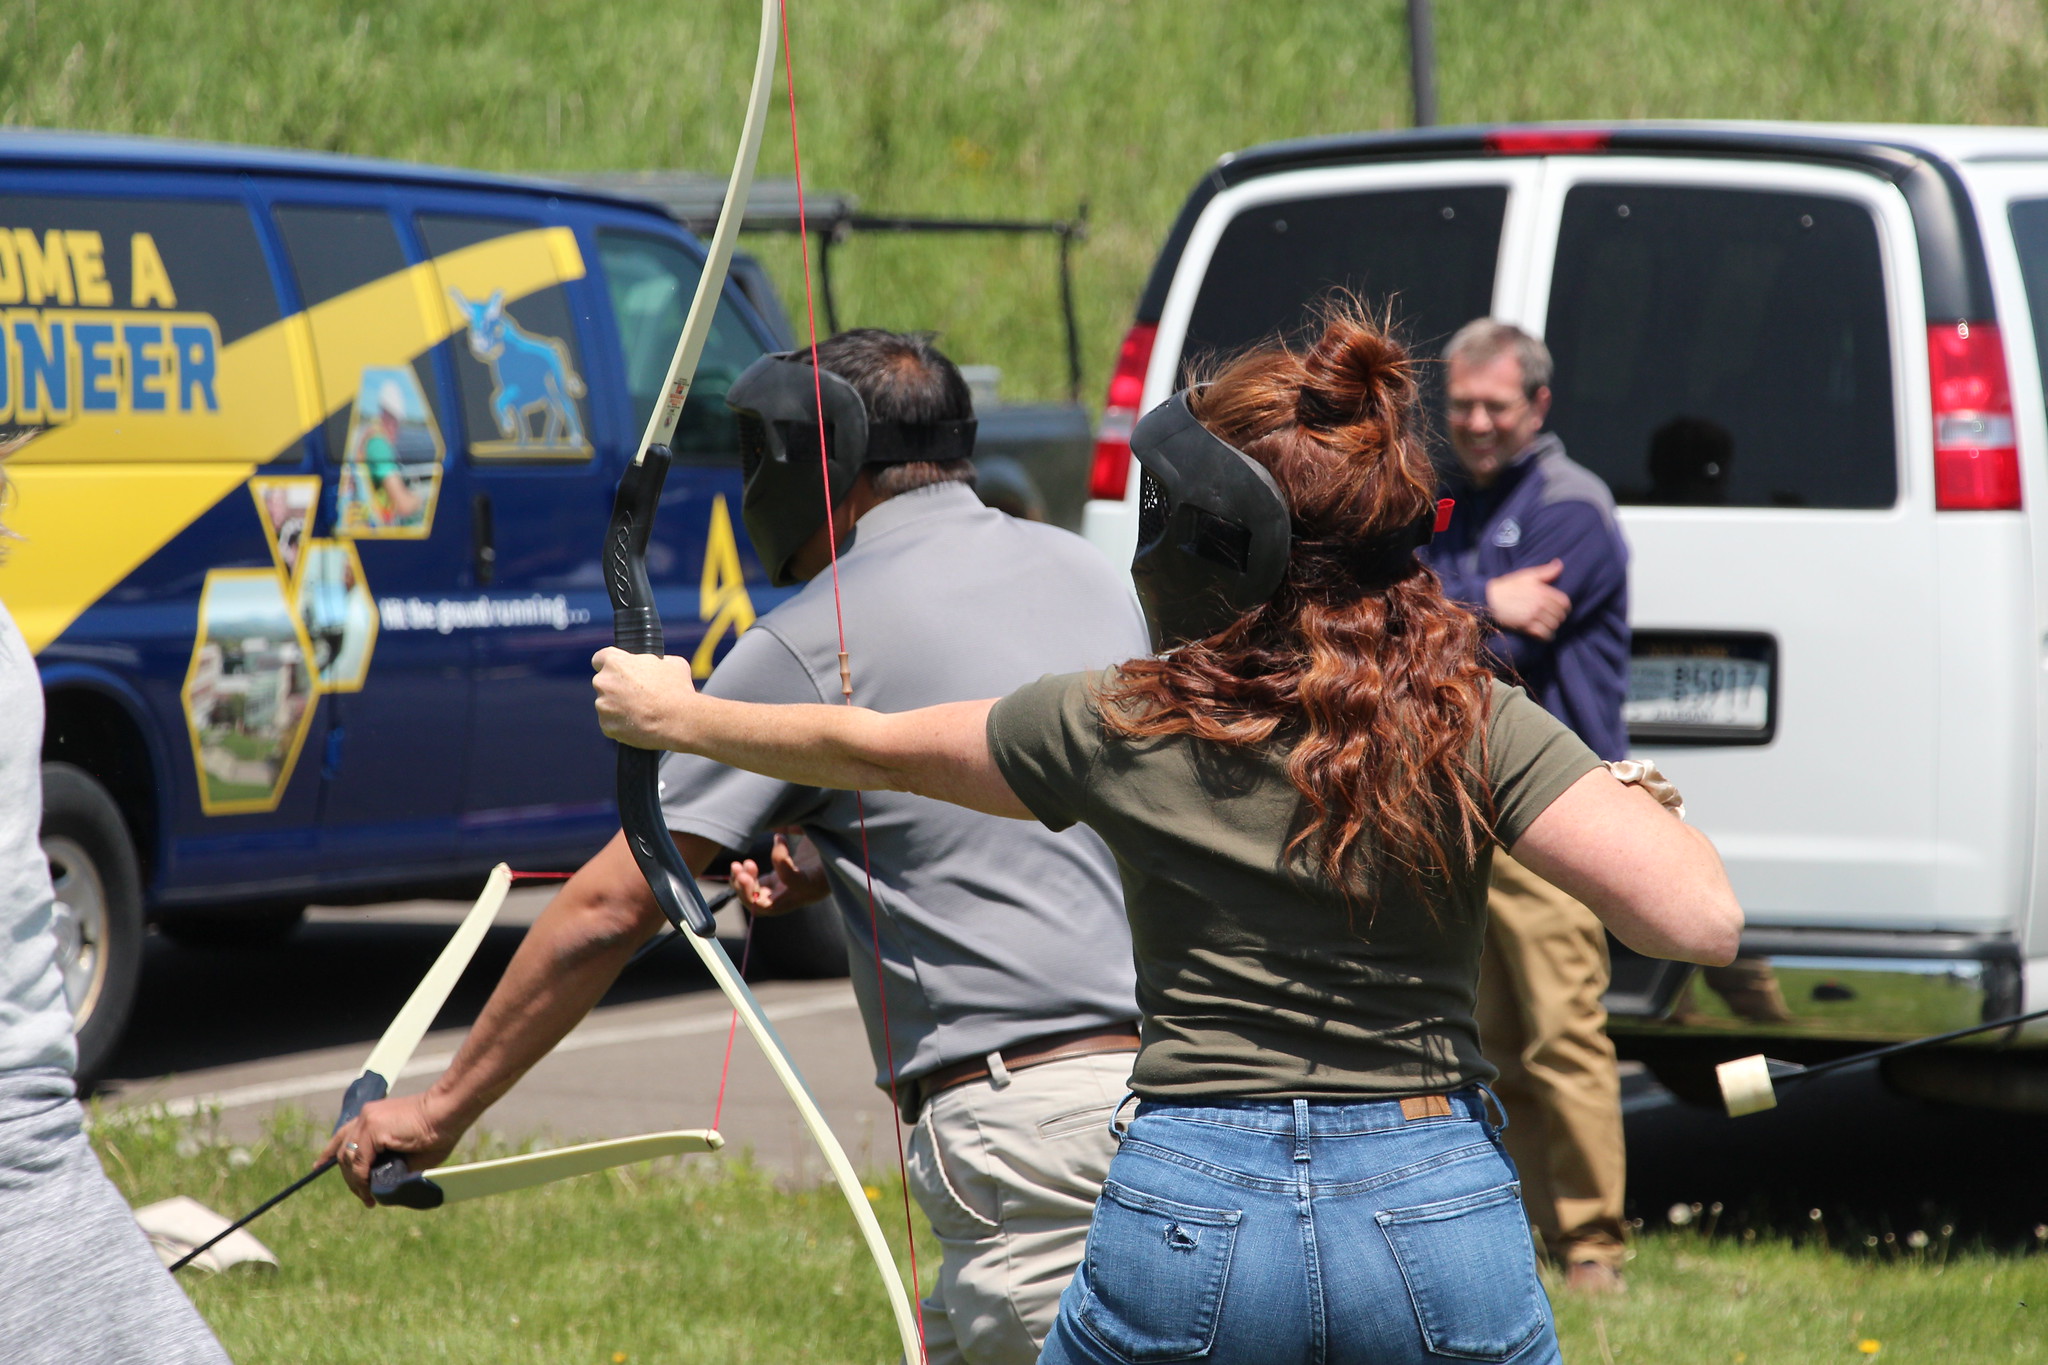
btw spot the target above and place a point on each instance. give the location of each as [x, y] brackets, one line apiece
[1034, 458]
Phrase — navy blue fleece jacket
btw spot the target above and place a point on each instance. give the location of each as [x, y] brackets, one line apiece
[1545, 506]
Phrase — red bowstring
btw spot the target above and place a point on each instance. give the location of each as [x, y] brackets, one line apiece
[803, 237]
[542, 876]
[732, 1030]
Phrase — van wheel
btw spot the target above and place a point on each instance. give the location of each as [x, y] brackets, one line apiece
[98, 914]
[236, 926]
[803, 945]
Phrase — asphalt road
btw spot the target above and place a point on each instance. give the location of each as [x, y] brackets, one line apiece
[250, 1029]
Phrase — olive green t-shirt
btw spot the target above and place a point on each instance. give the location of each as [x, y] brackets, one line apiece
[1255, 981]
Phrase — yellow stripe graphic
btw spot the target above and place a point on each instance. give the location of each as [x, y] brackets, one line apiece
[97, 496]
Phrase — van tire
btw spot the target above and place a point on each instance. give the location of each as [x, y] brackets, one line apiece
[98, 881]
[234, 926]
[803, 945]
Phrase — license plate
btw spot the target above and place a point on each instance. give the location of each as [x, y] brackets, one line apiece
[1698, 692]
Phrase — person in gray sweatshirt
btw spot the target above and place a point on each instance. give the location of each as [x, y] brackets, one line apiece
[78, 1279]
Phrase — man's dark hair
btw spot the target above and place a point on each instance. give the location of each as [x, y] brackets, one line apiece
[902, 377]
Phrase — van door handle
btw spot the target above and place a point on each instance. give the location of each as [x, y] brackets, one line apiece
[482, 540]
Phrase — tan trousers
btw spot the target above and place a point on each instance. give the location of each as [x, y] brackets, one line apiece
[1008, 1169]
[1541, 1022]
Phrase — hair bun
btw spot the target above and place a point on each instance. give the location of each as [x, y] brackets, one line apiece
[1359, 381]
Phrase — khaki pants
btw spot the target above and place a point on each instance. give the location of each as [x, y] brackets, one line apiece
[1541, 1022]
[1008, 1169]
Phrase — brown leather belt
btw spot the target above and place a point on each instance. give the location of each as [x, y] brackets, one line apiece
[1052, 1047]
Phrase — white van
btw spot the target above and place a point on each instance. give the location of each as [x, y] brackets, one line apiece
[1804, 358]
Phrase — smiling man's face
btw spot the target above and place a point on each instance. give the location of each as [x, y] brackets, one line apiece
[1492, 419]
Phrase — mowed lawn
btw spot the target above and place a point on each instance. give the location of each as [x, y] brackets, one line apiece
[708, 1260]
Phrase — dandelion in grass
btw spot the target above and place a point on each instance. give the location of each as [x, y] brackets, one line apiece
[874, 1195]
[1870, 1346]
[1680, 1215]
[1916, 1239]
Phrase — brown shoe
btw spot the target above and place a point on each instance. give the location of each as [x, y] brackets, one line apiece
[1594, 1277]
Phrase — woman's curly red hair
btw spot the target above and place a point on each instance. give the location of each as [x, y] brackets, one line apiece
[1374, 686]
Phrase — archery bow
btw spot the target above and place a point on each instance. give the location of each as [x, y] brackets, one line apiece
[401, 1039]
[636, 624]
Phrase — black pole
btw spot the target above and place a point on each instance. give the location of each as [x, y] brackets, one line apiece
[1422, 61]
[1068, 233]
[825, 241]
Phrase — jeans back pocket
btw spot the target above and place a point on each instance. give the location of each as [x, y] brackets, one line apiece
[1155, 1272]
[1471, 1272]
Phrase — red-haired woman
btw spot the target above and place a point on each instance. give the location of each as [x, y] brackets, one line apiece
[1302, 790]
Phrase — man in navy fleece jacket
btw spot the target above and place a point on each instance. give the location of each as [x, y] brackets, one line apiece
[1534, 549]
[1533, 545]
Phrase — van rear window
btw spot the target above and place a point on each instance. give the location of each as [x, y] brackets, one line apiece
[2030, 237]
[1427, 255]
[1723, 347]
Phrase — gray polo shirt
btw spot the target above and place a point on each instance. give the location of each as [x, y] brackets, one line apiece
[993, 931]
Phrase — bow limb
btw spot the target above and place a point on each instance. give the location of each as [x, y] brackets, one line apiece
[400, 1040]
[715, 960]
[402, 1037]
[636, 628]
[454, 1184]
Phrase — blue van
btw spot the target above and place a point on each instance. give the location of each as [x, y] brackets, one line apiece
[309, 539]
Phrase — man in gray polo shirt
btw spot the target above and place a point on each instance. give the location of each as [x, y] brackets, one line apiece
[1011, 996]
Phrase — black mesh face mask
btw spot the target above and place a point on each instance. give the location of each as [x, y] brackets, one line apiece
[1214, 532]
[1213, 529]
[781, 501]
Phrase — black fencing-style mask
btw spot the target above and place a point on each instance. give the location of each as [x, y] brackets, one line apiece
[781, 503]
[1214, 531]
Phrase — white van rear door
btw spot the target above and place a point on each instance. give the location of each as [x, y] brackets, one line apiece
[2012, 205]
[1741, 355]
[1423, 242]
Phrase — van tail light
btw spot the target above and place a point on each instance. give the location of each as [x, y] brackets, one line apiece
[1976, 455]
[1111, 474]
[1547, 141]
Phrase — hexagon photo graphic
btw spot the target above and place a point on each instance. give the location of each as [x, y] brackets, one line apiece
[248, 693]
[340, 617]
[285, 507]
[391, 462]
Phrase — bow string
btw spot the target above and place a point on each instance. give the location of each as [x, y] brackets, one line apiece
[637, 629]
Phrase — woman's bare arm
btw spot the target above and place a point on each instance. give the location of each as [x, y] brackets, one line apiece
[936, 751]
[1653, 879]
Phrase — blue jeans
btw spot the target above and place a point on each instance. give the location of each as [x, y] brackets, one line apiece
[1266, 1231]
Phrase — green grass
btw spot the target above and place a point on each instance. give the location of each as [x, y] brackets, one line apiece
[976, 107]
[1731, 1302]
[700, 1260]
[709, 1260]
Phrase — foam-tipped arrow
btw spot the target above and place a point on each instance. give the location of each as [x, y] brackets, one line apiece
[1749, 1084]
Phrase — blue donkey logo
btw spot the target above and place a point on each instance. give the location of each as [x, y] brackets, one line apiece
[527, 372]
